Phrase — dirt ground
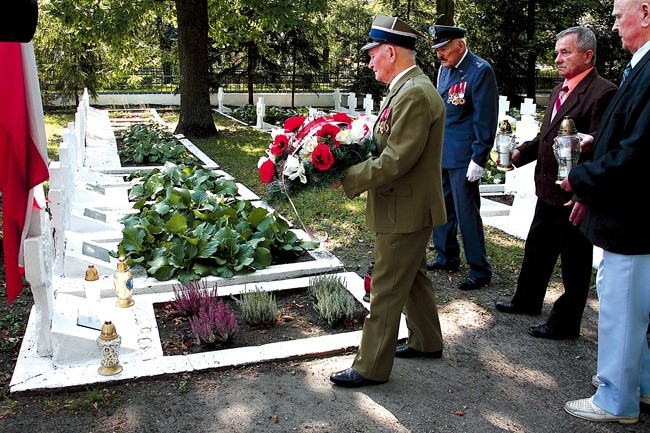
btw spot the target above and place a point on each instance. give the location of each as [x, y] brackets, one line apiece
[493, 377]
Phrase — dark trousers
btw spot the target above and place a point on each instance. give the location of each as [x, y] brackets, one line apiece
[463, 204]
[551, 235]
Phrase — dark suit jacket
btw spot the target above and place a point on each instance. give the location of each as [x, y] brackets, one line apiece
[585, 105]
[404, 182]
[612, 184]
[470, 127]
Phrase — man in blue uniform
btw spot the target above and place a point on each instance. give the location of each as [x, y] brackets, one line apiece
[469, 89]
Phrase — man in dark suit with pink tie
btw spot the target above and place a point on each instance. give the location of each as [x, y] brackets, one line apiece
[583, 96]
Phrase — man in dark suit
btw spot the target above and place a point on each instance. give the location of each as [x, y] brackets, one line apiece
[583, 96]
[404, 203]
[616, 219]
[469, 88]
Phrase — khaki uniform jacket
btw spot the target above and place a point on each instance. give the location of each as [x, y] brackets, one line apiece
[404, 181]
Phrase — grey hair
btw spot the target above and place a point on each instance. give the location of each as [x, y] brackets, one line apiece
[585, 38]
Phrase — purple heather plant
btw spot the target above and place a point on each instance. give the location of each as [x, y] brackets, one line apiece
[214, 323]
[189, 297]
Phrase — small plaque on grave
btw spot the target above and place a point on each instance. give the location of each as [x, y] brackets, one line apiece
[99, 216]
[86, 319]
[96, 188]
[96, 252]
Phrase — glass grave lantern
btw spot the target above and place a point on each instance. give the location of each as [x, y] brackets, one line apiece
[566, 148]
[504, 146]
[109, 343]
[123, 283]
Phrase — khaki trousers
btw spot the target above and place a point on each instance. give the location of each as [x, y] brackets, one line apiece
[399, 282]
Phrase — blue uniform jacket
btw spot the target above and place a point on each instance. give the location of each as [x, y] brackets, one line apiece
[472, 111]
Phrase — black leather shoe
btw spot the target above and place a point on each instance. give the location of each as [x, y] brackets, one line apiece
[473, 283]
[432, 265]
[509, 307]
[409, 352]
[543, 331]
[351, 379]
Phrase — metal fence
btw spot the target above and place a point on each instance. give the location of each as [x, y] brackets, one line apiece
[159, 79]
[546, 80]
[164, 80]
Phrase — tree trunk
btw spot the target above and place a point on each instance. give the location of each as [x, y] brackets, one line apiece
[445, 12]
[195, 112]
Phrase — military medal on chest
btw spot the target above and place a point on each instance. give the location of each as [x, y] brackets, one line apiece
[456, 94]
[383, 127]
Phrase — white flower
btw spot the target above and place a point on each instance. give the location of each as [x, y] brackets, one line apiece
[308, 147]
[360, 129]
[345, 136]
[294, 168]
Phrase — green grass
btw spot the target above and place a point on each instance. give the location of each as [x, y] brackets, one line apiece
[55, 123]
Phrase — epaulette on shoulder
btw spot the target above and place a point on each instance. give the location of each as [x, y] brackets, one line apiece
[480, 63]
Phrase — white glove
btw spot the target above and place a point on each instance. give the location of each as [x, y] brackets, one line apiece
[474, 171]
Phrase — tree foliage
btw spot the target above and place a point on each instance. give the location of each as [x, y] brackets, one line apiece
[87, 43]
[519, 37]
[96, 44]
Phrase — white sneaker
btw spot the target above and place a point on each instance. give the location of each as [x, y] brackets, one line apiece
[595, 381]
[586, 409]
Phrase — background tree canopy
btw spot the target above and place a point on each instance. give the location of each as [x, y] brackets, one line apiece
[99, 45]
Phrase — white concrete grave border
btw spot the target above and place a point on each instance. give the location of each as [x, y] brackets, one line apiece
[88, 195]
[141, 352]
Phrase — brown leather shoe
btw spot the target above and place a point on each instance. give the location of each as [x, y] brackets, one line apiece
[350, 378]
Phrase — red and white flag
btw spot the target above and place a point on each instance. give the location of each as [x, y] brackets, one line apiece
[23, 154]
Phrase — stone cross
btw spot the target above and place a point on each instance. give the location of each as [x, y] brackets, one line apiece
[504, 106]
[528, 107]
[368, 104]
[352, 103]
[527, 127]
[260, 113]
[220, 98]
[313, 113]
[337, 100]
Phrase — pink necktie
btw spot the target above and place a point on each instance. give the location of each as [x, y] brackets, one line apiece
[560, 99]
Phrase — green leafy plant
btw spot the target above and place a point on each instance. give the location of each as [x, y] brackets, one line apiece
[145, 143]
[333, 300]
[258, 307]
[246, 113]
[190, 224]
[272, 115]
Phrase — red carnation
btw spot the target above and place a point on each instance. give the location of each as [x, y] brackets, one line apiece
[322, 157]
[267, 171]
[328, 133]
[280, 144]
[293, 123]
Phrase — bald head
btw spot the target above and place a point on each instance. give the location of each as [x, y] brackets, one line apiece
[632, 23]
